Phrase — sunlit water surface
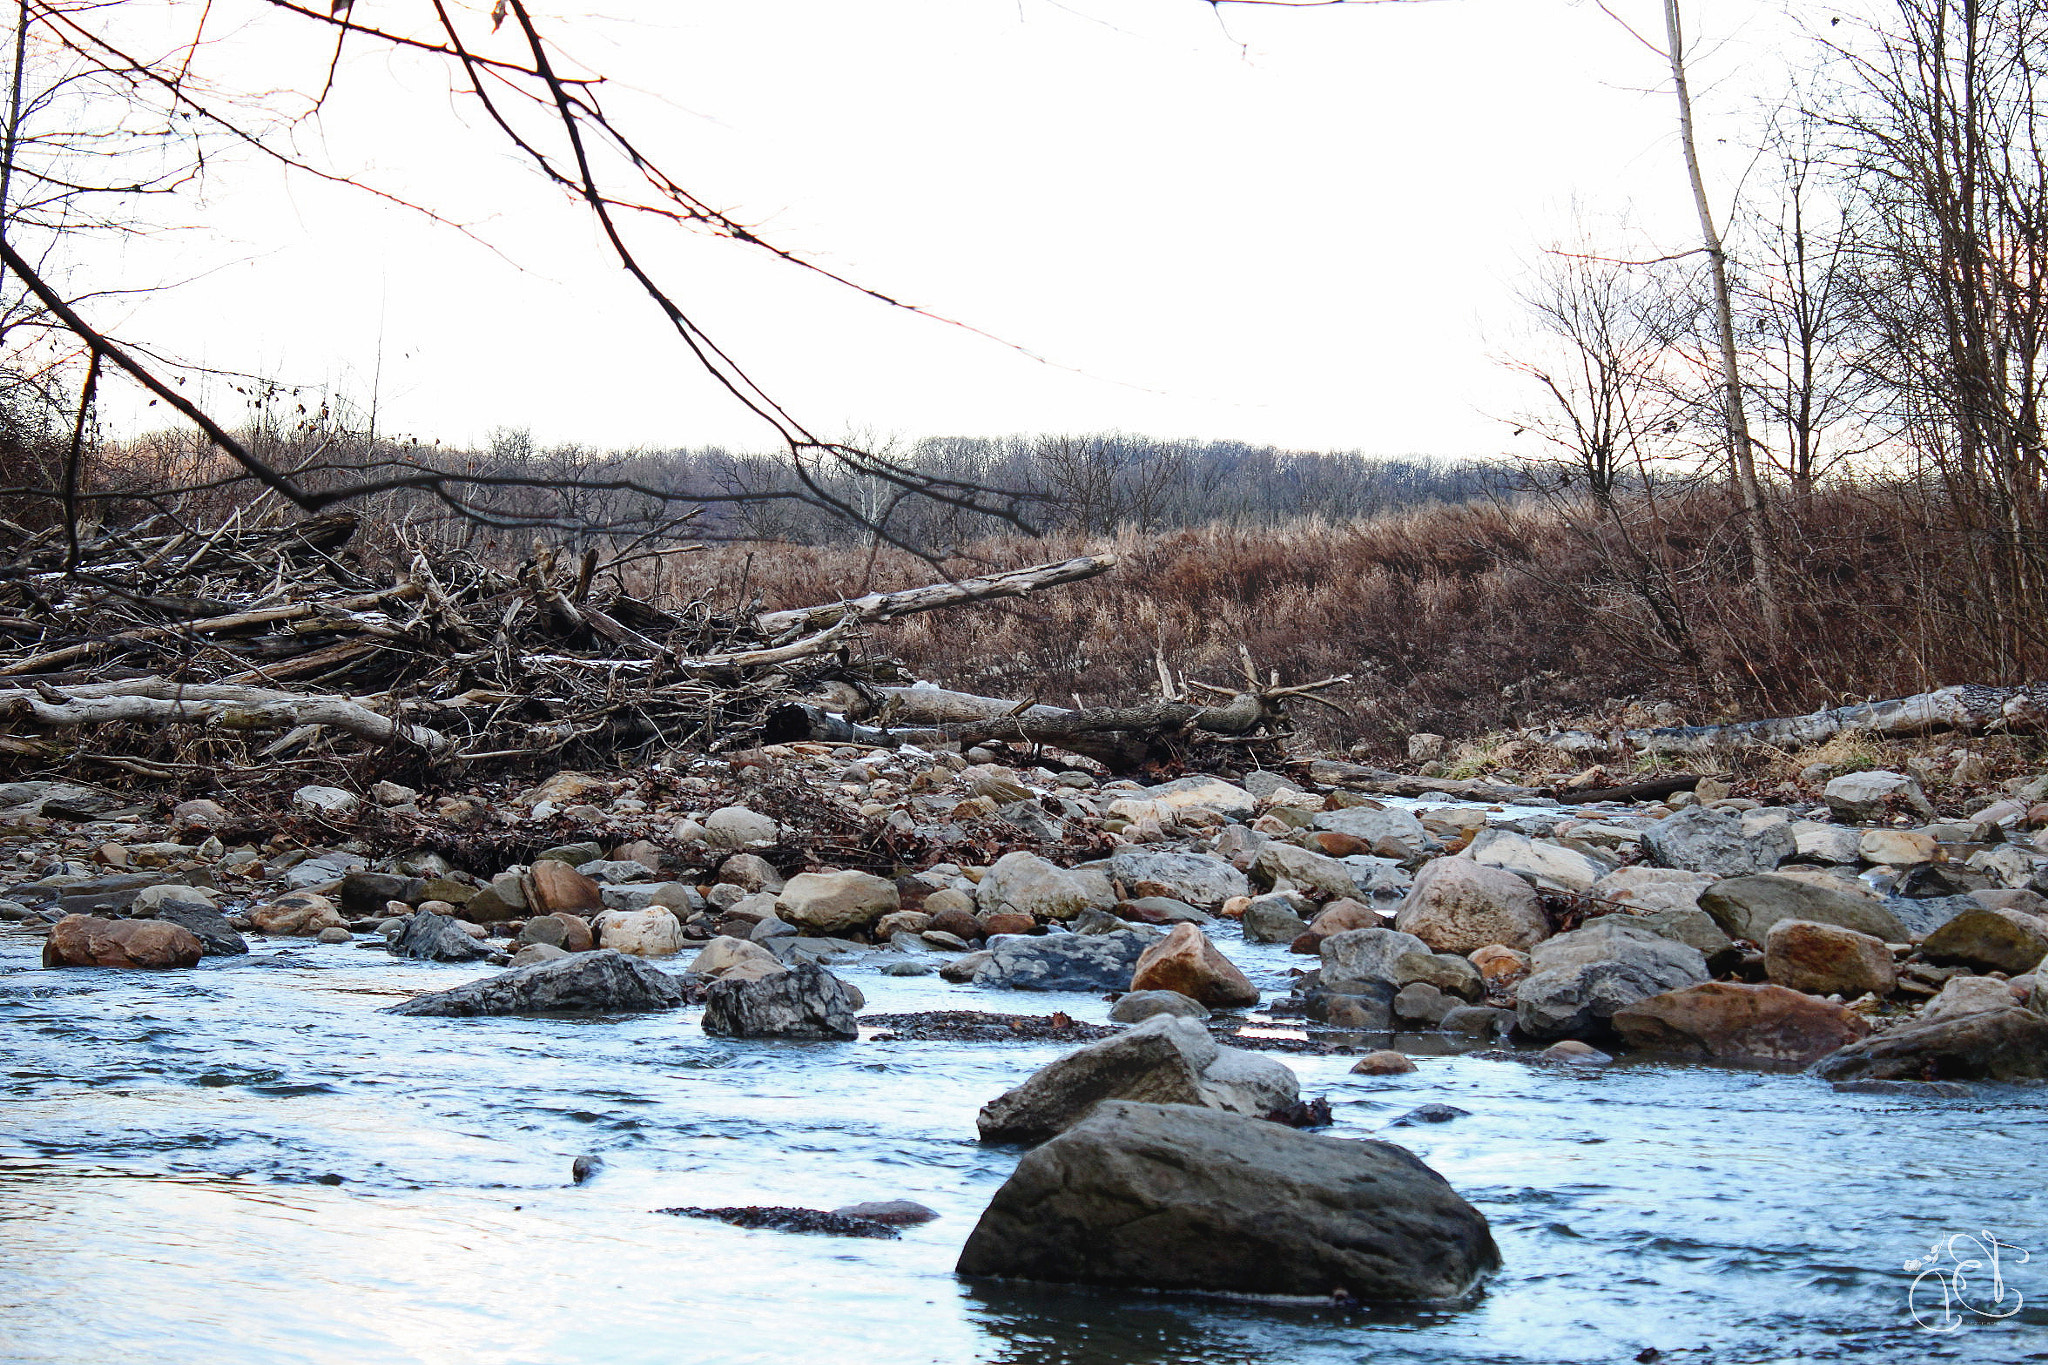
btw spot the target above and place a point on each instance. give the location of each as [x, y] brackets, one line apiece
[170, 1144]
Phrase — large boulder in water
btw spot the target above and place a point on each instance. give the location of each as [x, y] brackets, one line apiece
[1458, 906]
[1065, 962]
[1169, 1197]
[804, 1002]
[1702, 839]
[436, 938]
[1185, 961]
[1026, 884]
[1195, 879]
[1732, 1022]
[835, 902]
[1578, 980]
[217, 938]
[1165, 1060]
[602, 982]
[1747, 907]
[1992, 1045]
[90, 941]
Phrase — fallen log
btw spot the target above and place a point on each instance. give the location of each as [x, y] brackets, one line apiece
[155, 701]
[1633, 791]
[887, 606]
[1966, 707]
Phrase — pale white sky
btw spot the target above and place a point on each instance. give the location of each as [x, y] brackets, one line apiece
[1290, 226]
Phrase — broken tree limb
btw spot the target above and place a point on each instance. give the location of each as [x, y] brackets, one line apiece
[1967, 707]
[155, 701]
[887, 606]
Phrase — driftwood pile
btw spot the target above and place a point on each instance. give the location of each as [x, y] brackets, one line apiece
[158, 650]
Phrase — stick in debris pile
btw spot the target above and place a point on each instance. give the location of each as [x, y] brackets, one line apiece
[156, 701]
[887, 606]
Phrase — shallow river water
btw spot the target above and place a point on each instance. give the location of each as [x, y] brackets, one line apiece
[246, 1164]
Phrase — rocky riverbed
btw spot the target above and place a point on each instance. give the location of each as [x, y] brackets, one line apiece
[272, 1154]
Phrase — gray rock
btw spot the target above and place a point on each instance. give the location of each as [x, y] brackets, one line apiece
[607, 872]
[436, 938]
[1138, 1006]
[1026, 884]
[1702, 839]
[1992, 1045]
[533, 954]
[1459, 906]
[1262, 784]
[1578, 980]
[895, 1212]
[1478, 1021]
[1276, 918]
[206, 924]
[1747, 907]
[1363, 822]
[1209, 793]
[804, 1002]
[1545, 865]
[1863, 797]
[1196, 878]
[1421, 1003]
[1164, 1060]
[1064, 962]
[327, 867]
[1363, 957]
[1278, 862]
[600, 982]
[1151, 1196]
[1921, 916]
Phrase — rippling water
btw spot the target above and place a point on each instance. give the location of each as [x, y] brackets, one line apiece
[247, 1163]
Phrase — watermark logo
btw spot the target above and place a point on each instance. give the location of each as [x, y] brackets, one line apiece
[1961, 1277]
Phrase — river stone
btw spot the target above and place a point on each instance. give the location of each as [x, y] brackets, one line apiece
[299, 914]
[611, 872]
[1544, 865]
[2006, 1044]
[1390, 958]
[216, 936]
[1187, 962]
[835, 902]
[1826, 959]
[1164, 1060]
[1862, 797]
[364, 892]
[1818, 843]
[330, 801]
[90, 941]
[1477, 1021]
[601, 982]
[1163, 1196]
[1369, 826]
[1731, 1021]
[725, 954]
[1138, 1006]
[1275, 918]
[1278, 862]
[1747, 907]
[554, 887]
[1194, 878]
[1897, 847]
[534, 953]
[1653, 888]
[1340, 916]
[1961, 995]
[1207, 793]
[1581, 978]
[654, 932]
[1026, 884]
[737, 827]
[750, 872]
[1065, 962]
[575, 855]
[1702, 839]
[436, 938]
[1695, 928]
[806, 1001]
[1989, 941]
[1457, 905]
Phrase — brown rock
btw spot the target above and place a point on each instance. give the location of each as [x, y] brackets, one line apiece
[487, 907]
[1003, 922]
[1309, 942]
[201, 814]
[1990, 941]
[1187, 962]
[1336, 844]
[960, 924]
[1235, 907]
[1340, 916]
[1499, 964]
[577, 936]
[1826, 959]
[557, 887]
[302, 914]
[1383, 1063]
[89, 941]
[1729, 1021]
[447, 890]
[565, 788]
[1457, 905]
[641, 851]
[902, 922]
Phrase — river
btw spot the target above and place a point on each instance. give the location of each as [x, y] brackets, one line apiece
[247, 1164]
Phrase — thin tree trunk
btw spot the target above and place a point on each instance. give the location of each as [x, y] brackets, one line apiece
[1741, 450]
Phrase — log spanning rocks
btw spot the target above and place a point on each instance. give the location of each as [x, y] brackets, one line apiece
[1169, 1197]
[1165, 1060]
[601, 982]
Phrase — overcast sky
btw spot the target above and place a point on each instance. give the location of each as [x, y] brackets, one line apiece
[1301, 227]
